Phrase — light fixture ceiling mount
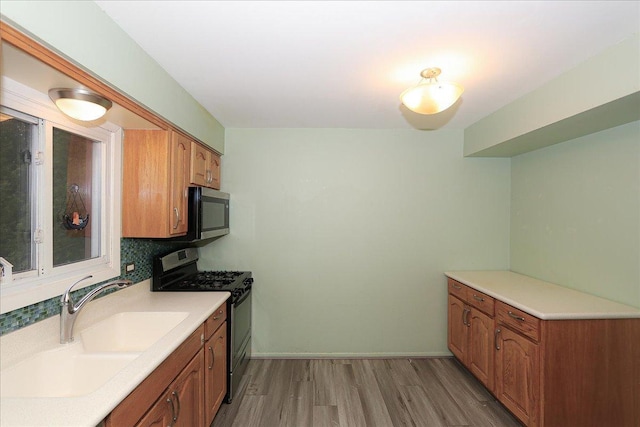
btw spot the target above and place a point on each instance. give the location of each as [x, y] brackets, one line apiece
[431, 96]
[80, 104]
[430, 73]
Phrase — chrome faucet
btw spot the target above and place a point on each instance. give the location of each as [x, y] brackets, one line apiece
[69, 311]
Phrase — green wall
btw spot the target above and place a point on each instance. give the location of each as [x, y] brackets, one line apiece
[575, 214]
[84, 34]
[348, 234]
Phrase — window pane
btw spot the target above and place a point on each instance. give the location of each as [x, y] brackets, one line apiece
[16, 138]
[76, 198]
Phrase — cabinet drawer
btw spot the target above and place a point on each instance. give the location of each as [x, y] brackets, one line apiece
[482, 302]
[518, 320]
[458, 289]
[215, 320]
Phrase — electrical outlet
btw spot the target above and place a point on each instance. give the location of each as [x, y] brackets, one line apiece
[129, 267]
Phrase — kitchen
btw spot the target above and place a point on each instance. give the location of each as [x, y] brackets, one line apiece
[366, 221]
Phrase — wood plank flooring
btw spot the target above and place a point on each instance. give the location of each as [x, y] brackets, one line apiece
[432, 392]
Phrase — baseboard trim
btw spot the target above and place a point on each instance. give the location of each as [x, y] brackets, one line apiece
[349, 355]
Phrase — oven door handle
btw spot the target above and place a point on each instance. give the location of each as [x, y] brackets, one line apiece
[242, 298]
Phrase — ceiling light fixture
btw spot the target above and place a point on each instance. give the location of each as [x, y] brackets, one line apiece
[431, 96]
[80, 104]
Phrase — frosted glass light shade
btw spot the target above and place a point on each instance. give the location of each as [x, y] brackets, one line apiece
[431, 97]
[80, 104]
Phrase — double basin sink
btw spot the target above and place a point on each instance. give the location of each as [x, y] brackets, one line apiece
[98, 353]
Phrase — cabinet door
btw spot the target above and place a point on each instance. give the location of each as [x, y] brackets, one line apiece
[146, 186]
[180, 158]
[160, 414]
[517, 369]
[181, 404]
[188, 394]
[215, 380]
[457, 332]
[199, 165]
[214, 170]
[481, 349]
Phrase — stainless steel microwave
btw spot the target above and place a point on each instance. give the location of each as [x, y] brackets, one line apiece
[208, 215]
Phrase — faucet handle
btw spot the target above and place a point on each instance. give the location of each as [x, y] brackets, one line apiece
[66, 297]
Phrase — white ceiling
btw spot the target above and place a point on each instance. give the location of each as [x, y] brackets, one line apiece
[343, 64]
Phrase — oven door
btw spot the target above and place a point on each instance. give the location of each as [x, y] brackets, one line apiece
[213, 213]
[240, 342]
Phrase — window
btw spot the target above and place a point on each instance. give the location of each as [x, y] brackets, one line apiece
[60, 193]
[18, 136]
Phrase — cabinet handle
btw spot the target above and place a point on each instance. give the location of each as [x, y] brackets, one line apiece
[496, 339]
[213, 357]
[514, 316]
[468, 321]
[456, 286]
[173, 410]
[177, 212]
[217, 317]
[477, 298]
[177, 404]
[464, 317]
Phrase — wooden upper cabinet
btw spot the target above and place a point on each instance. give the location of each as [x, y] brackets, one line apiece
[205, 167]
[199, 164]
[155, 183]
[180, 160]
[214, 167]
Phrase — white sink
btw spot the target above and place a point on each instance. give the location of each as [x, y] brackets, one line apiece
[129, 331]
[63, 372]
[98, 353]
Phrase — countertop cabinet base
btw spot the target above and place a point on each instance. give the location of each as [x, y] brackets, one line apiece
[187, 388]
[552, 373]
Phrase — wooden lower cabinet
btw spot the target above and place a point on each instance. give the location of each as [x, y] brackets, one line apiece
[187, 388]
[550, 373]
[458, 333]
[480, 360]
[215, 379]
[182, 402]
[517, 383]
[470, 336]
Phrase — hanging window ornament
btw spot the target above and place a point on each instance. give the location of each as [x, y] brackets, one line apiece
[75, 217]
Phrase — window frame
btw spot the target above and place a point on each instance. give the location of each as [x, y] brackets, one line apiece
[25, 289]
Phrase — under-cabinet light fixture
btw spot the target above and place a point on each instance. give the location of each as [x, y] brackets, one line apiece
[80, 104]
[431, 96]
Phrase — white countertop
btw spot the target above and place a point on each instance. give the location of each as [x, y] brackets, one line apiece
[544, 300]
[91, 409]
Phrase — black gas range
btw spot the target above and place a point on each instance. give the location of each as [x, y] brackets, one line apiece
[178, 272]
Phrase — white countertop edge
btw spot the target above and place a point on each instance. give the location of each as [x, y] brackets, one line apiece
[570, 314]
[91, 409]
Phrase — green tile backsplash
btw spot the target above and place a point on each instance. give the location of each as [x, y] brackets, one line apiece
[137, 251]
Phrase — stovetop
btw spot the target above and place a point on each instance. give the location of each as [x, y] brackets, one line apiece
[178, 272]
[215, 280]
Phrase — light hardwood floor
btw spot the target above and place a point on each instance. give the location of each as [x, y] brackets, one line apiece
[429, 392]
